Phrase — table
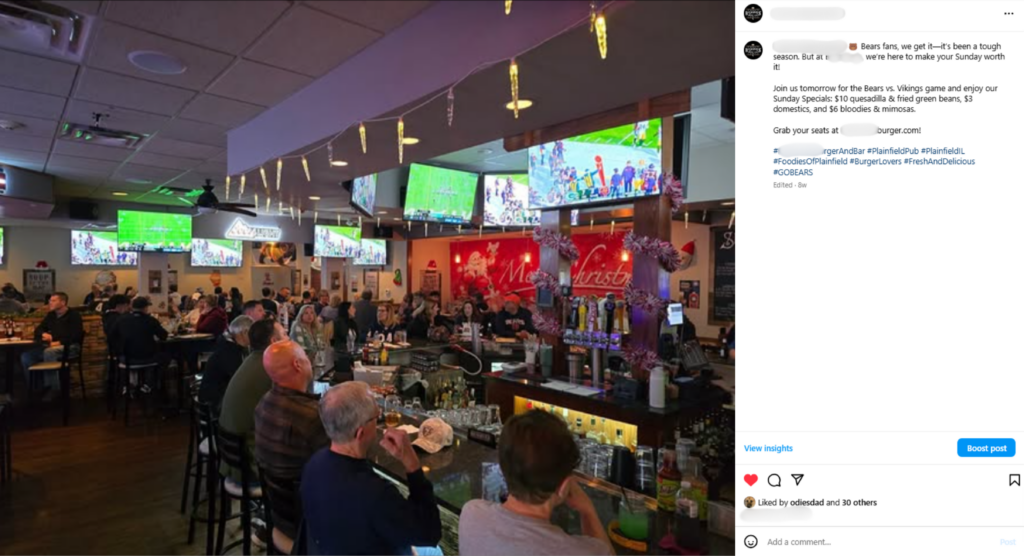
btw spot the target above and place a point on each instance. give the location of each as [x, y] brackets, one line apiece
[11, 349]
[176, 344]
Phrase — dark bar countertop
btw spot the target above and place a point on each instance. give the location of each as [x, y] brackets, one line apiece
[466, 471]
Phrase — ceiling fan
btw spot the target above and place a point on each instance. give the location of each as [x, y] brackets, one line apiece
[207, 203]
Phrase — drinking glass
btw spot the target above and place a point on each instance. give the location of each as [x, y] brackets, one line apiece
[407, 407]
[392, 411]
[646, 475]
[495, 411]
[417, 405]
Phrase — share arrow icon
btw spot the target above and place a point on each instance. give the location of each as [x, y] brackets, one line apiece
[797, 477]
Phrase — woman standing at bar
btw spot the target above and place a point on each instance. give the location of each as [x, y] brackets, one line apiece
[468, 315]
[306, 331]
[385, 323]
[344, 323]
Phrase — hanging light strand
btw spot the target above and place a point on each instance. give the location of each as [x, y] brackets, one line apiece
[241, 191]
[279, 166]
[732, 219]
[227, 187]
[451, 106]
[593, 15]
[601, 26]
[268, 205]
[263, 175]
[508, 7]
[513, 75]
[362, 136]
[305, 167]
[401, 138]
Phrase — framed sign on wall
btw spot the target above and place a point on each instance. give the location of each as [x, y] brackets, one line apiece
[39, 283]
[371, 281]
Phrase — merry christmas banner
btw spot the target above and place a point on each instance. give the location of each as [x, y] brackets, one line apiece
[500, 267]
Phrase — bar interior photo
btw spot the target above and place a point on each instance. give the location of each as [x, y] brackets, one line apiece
[313, 277]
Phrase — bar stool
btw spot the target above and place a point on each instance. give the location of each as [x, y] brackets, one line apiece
[5, 441]
[202, 444]
[127, 368]
[281, 498]
[233, 451]
[63, 368]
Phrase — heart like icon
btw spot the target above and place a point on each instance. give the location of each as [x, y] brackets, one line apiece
[750, 479]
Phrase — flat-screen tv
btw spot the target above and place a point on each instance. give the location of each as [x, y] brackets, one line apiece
[364, 193]
[154, 231]
[337, 241]
[440, 195]
[97, 248]
[216, 252]
[372, 252]
[507, 201]
[616, 164]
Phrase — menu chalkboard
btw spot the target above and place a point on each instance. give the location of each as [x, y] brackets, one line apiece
[723, 278]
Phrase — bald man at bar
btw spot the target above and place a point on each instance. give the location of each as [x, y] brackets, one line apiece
[288, 430]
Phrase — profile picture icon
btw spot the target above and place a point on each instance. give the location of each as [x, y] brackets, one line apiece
[753, 13]
[749, 502]
[753, 50]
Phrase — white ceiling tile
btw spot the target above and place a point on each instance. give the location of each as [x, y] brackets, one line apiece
[258, 83]
[371, 14]
[220, 110]
[698, 139]
[78, 163]
[184, 149]
[113, 43]
[127, 92]
[89, 150]
[18, 157]
[80, 6]
[37, 127]
[24, 142]
[227, 26]
[139, 171]
[196, 132]
[122, 119]
[16, 101]
[33, 73]
[311, 42]
[164, 161]
[215, 171]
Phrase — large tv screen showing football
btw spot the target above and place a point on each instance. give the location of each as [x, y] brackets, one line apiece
[337, 241]
[440, 195]
[98, 248]
[154, 231]
[372, 252]
[217, 252]
[364, 193]
[615, 164]
[507, 201]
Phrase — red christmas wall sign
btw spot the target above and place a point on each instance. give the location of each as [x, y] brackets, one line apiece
[499, 267]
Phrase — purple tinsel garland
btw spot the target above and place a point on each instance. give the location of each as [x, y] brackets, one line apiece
[665, 252]
[643, 300]
[545, 281]
[553, 240]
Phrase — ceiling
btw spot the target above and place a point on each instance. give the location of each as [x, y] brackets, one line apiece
[707, 129]
[241, 58]
[245, 57]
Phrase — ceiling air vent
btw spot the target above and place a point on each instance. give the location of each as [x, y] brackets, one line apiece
[99, 135]
[43, 28]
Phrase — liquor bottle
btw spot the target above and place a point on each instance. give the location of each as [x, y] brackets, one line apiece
[593, 433]
[603, 436]
[472, 397]
[579, 428]
[384, 356]
[618, 438]
[668, 480]
[565, 417]
[698, 485]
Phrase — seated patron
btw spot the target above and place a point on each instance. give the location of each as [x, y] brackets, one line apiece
[250, 382]
[254, 310]
[136, 336]
[385, 321]
[61, 327]
[422, 323]
[514, 321]
[231, 350]
[270, 306]
[537, 455]
[348, 508]
[288, 427]
[212, 317]
[9, 304]
[115, 308]
[468, 315]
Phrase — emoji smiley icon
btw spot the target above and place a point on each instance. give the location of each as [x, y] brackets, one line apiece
[750, 541]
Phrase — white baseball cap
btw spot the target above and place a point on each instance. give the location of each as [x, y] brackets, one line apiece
[434, 435]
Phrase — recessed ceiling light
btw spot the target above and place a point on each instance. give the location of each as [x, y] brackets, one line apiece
[10, 125]
[314, 198]
[156, 62]
[523, 104]
[410, 140]
[339, 163]
[485, 151]
[139, 181]
[728, 203]
[120, 194]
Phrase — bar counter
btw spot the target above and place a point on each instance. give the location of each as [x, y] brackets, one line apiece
[458, 474]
